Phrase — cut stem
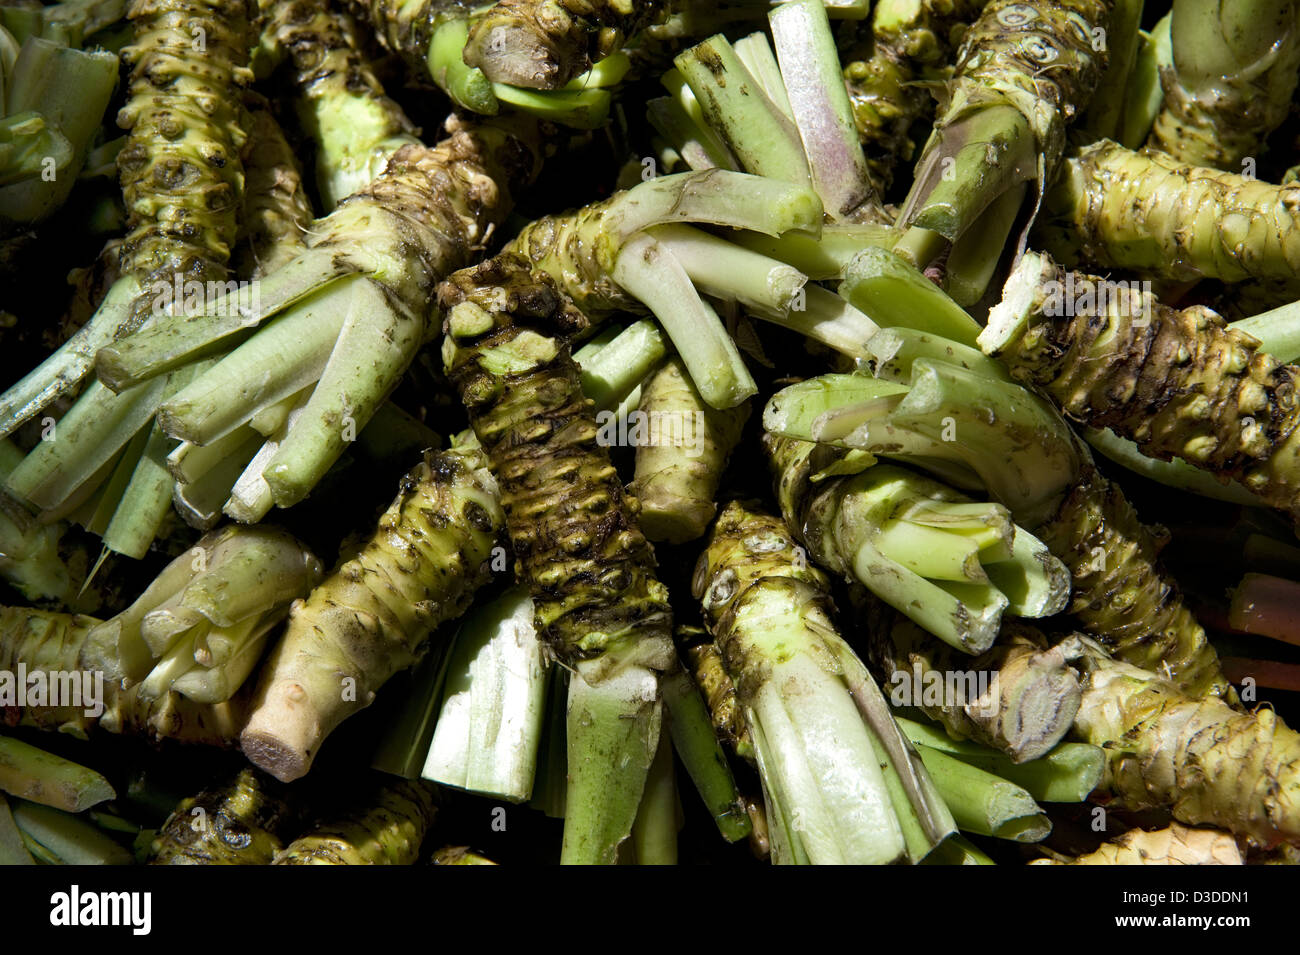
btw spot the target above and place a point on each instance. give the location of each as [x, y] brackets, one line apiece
[288, 354]
[734, 105]
[819, 105]
[823, 256]
[31, 773]
[985, 804]
[621, 715]
[13, 848]
[893, 293]
[654, 834]
[1268, 606]
[87, 438]
[612, 371]
[654, 275]
[1069, 772]
[701, 753]
[70, 839]
[489, 724]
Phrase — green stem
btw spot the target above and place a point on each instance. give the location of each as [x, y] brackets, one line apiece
[820, 257]
[188, 462]
[403, 746]
[894, 350]
[70, 88]
[839, 783]
[200, 502]
[1022, 451]
[735, 106]
[551, 780]
[63, 370]
[111, 822]
[285, 356]
[1004, 113]
[220, 682]
[83, 18]
[892, 292]
[654, 834]
[42, 777]
[975, 256]
[145, 501]
[581, 109]
[493, 699]
[731, 272]
[466, 85]
[919, 805]
[101, 505]
[819, 104]
[70, 838]
[250, 497]
[620, 715]
[769, 289]
[697, 143]
[654, 275]
[612, 372]
[27, 145]
[1069, 772]
[173, 339]
[174, 662]
[919, 247]
[956, 850]
[1278, 331]
[232, 585]
[985, 804]
[756, 53]
[1145, 94]
[1115, 93]
[375, 345]
[1173, 473]
[89, 436]
[13, 848]
[977, 160]
[829, 319]
[701, 753]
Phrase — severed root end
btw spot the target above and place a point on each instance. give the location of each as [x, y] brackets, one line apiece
[513, 53]
[1008, 319]
[1040, 699]
[284, 733]
[675, 521]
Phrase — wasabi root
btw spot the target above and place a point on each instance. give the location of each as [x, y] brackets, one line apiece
[542, 44]
[48, 641]
[952, 564]
[680, 463]
[242, 822]
[370, 618]
[1208, 763]
[840, 783]
[1176, 845]
[1021, 452]
[908, 40]
[386, 827]
[1179, 382]
[1112, 208]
